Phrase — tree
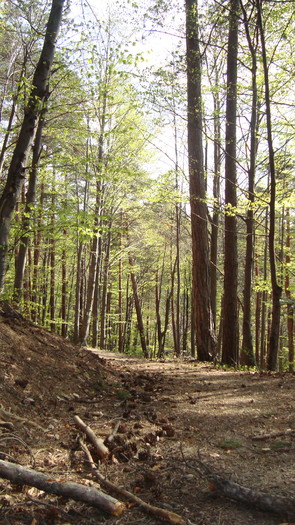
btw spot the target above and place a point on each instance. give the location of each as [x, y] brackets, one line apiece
[199, 216]
[247, 350]
[17, 168]
[230, 350]
[276, 289]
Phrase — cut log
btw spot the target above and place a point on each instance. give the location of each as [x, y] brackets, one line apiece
[68, 489]
[98, 443]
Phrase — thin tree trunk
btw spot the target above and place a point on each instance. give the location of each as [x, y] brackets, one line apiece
[77, 293]
[96, 298]
[93, 266]
[216, 209]
[13, 109]
[17, 168]
[120, 302]
[247, 351]
[138, 309]
[257, 318]
[97, 220]
[177, 232]
[185, 318]
[36, 258]
[158, 292]
[108, 329]
[128, 319]
[193, 331]
[290, 304]
[177, 350]
[52, 262]
[8, 129]
[64, 290]
[105, 283]
[276, 289]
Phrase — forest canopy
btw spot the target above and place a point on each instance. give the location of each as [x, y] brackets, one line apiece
[147, 175]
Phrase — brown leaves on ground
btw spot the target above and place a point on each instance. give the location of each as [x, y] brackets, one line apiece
[240, 422]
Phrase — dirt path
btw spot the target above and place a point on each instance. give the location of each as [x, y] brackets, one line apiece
[169, 412]
[215, 413]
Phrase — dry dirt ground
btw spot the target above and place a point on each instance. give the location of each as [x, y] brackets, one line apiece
[171, 415]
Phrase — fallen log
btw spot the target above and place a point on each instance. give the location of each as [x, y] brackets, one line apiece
[162, 514]
[90, 495]
[98, 443]
[271, 435]
[281, 505]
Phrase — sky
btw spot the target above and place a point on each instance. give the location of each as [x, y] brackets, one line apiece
[155, 45]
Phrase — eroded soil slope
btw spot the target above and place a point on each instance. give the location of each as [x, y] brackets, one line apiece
[170, 413]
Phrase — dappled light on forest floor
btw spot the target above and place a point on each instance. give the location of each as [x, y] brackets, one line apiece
[162, 416]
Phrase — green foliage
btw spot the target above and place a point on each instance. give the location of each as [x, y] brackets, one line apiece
[229, 444]
[113, 162]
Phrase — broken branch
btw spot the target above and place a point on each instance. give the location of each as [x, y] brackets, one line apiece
[98, 443]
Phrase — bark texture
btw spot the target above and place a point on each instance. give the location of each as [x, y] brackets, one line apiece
[230, 317]
[199, 216]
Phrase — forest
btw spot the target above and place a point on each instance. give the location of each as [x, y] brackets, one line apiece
[147, 175]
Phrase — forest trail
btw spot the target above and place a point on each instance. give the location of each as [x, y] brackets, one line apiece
[169, 411]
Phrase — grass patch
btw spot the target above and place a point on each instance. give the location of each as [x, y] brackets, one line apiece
[229, 444]
[123, 394]
[280, 445]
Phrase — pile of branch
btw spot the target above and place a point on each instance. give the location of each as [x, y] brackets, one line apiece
[89, 495]
[162, 514]
[283, 506]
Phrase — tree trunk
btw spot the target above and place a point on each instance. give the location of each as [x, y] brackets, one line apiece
[30, 200]
[276, 289]
[64, 291]
[36, 258]
[216, 209]
[290, 302]
[9, 127]
[96, 298]
[158, 292]
[257, 318]
[93, 267]
[205, 337]
[17, 168]
[247, 351]
[230, 350]
[120, 302]
[52, 302]
[105, 283]
[128, 319]
[138, 309]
